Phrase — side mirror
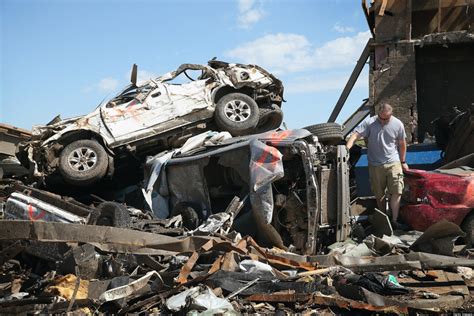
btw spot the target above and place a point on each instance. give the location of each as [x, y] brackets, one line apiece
[133, 76]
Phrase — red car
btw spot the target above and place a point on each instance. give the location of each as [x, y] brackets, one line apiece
[445, 193]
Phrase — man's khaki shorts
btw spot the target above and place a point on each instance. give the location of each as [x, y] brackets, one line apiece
[389, 176]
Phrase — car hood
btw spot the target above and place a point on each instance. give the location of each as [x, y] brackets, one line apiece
[53, 131]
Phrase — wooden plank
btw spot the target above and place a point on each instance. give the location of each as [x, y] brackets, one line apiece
[350, 83]
[444, 283]
[439, 16]
[382, 8]
[426, 5]
[408, 20]
[186, 269]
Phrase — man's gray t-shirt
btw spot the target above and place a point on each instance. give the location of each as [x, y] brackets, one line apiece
[382, 140]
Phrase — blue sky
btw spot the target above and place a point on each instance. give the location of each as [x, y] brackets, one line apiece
[64, 57]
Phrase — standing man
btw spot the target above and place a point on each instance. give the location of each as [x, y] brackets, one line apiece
[385, 135]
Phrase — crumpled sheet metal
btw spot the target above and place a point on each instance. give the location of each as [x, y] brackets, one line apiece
[389, 263]
[104, 237]
[212, 224]
[277, 260]
[434, 261]
[342, 302]
[325, 300]
[439, 238]
[126, 290]
[21, 206]
[204, 139]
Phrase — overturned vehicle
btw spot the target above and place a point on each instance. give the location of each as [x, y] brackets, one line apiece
[295, 190]
[150, 116]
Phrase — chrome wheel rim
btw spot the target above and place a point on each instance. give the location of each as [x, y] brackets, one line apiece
[82, 159]
[237, 111]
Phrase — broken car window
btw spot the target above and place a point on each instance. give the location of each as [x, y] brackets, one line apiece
[129, 94]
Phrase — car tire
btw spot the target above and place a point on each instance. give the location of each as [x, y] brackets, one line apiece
[468, 227]
[236, 113]
[110, 214]
[83, 162]
[327, 133]
[270, 118]
[189, 214]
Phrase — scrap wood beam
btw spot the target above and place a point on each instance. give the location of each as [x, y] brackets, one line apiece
[279, 297]
[324, 300]
[106, 238]
[351, 82]
[428, 5]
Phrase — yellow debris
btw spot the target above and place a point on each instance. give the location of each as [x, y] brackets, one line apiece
[64, 286]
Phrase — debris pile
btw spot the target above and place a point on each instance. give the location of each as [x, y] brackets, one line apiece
[258, 223]
[55, 267]
[60, 255]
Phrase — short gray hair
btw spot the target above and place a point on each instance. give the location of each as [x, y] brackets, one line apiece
[385, 107]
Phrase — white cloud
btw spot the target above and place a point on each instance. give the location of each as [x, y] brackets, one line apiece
[250, 12]
[343, 29]
[245, 5]
[108, 84]
[144, 75]
[286, 52]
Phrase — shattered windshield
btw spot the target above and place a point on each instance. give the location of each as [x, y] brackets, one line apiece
[129, 94]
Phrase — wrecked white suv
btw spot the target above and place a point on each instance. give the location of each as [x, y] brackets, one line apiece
[154, 115]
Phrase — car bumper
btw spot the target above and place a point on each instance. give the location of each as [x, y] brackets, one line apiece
[422, 216]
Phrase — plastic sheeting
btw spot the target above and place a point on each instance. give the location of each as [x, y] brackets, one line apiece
[156, 202]
[200, 298]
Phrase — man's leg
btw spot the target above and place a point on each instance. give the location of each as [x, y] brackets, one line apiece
[395, 188]
[395, 205]
[378, 183]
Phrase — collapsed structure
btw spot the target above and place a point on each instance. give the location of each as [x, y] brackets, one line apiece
[246, 219]
[421, 60]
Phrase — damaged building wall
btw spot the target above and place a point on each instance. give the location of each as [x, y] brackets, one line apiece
[421, 59]
[392, 80]
[391, 19]
[441, 16]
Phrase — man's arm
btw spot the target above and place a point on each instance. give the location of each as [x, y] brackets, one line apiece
[402, 151]
[355, 136]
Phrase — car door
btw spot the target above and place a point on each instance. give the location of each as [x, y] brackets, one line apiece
[147, 111]
[122, 115]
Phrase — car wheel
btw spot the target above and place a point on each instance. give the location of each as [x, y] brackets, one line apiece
[83, 162]
[328, 133]
[237, 113]
[110, 214]
[270, 118]
[468, 227]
